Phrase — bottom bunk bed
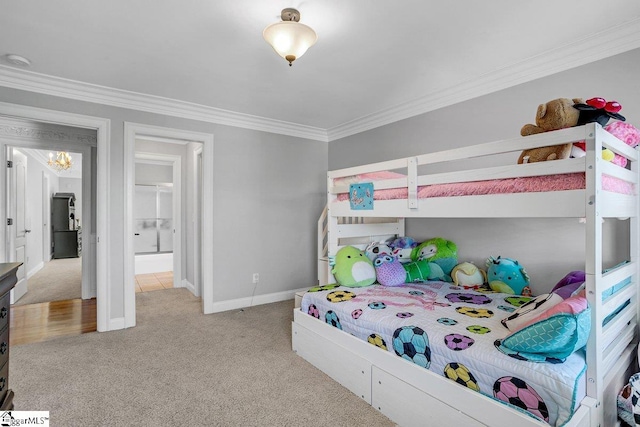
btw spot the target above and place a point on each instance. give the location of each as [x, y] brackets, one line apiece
[450, 371]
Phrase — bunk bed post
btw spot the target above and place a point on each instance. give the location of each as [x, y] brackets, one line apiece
[412, 182]
[323, 260]
[593, 268]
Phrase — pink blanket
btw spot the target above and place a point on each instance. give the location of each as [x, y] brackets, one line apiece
[559, 182]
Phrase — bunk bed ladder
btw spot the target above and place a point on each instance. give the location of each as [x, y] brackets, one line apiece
[612, 295]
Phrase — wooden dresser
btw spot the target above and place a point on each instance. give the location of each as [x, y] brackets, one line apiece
[8, 279]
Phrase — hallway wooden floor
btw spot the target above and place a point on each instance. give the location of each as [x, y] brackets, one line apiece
[47, 320]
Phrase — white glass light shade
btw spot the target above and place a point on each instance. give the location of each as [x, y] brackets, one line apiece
[290, 39]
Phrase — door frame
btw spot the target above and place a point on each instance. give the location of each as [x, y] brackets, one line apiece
[176, 204]
[137, 130]
[46, 217]
[103, 260]
[198, 162]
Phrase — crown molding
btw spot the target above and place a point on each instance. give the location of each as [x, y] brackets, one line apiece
[35, 132]
[81, 91]
[606, 43]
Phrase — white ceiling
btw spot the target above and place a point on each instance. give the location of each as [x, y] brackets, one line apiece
[374, 62]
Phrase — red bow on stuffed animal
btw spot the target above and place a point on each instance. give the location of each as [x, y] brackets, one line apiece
[598, 110]
[601, 104]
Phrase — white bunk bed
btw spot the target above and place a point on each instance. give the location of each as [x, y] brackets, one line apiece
[411, 395]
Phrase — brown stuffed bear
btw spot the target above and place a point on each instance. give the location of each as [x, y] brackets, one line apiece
[556, 114]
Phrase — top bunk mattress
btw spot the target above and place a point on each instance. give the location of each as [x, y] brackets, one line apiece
[529, 184]
[458, 329]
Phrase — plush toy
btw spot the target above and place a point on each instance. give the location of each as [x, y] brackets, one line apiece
[507, 276]
[352, 268]
[564, 113]
[389, 271]
[402, 248]
[467, 274]
[378, 248]
[441, 252]
[420, 271]
[553, 115]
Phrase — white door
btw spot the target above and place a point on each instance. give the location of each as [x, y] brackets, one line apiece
[18, 230]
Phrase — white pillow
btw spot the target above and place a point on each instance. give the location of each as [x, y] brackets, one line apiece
[530, 310]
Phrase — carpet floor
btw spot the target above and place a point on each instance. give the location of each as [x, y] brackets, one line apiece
[58, 280]
[180, 367]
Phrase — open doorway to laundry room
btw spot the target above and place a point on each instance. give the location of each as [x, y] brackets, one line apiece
[169, 213]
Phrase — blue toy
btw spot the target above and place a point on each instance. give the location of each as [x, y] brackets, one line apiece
[507, 276]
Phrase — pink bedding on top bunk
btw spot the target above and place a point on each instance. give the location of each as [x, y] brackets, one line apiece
[557, 182]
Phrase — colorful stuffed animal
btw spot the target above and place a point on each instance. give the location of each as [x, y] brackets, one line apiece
[352, 268]
[378, 248]
[389, 271]
[506, 275]
[468, 275]
[419, 271]
[402, 248]
[441, 252]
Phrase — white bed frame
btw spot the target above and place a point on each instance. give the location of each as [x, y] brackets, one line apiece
[411, 395]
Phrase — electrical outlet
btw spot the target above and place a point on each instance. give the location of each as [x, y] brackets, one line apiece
[256, 277]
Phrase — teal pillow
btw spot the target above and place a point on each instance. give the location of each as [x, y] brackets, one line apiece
[552, 337]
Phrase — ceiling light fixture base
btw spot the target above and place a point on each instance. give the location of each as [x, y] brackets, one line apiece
[290, 14]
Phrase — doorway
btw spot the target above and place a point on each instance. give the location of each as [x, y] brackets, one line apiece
[97, 250]
[49, 210]
[157, 216]
[193, 221]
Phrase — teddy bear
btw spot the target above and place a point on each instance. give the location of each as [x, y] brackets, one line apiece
[564, 113]
[556, 114]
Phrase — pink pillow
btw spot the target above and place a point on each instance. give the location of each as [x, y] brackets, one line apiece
[573, 305]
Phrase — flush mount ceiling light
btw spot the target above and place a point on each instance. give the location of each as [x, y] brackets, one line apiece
[62, 162]
[17, 60]
[289, 38]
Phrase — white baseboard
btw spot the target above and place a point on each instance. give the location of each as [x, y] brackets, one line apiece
[115, 324]
[35, 269]
[235, 304]
[187, 284]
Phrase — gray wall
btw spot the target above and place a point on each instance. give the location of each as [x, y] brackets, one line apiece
[268, 192]
[534, 242]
